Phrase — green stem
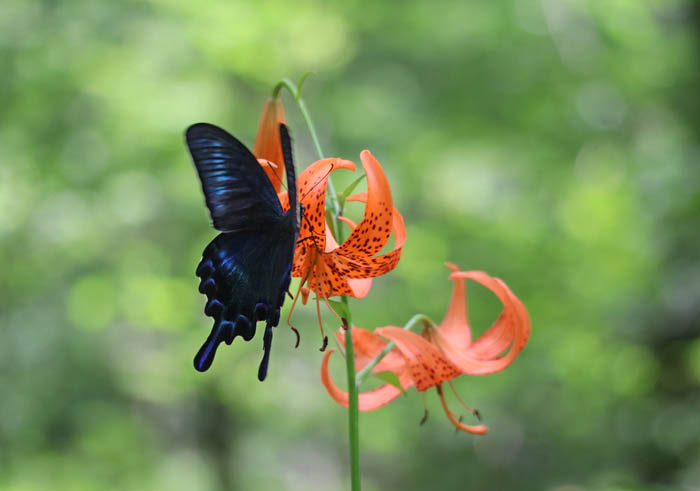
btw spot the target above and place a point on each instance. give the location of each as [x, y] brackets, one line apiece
[296, 94]
[366, 372]
[353, 405]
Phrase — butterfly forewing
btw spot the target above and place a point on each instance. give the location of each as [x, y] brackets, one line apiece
[236, 189]
[294, 206]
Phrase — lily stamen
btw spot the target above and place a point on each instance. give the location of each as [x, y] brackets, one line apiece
[474, 411]
[318, 306]
[296, 345]
[291, 310]
[461, 418]
[425, 410]
[477, 430]
[320, 324]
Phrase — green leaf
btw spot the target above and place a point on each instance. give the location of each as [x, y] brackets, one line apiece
[391, 378]
[348, 190]
[340, 308]
[301, 83]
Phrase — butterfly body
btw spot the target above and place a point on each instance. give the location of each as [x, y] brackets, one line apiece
[245, 271]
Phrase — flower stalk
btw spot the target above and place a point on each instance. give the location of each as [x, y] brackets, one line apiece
[333, 201]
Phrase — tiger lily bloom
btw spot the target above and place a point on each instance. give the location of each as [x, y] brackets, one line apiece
[326, 267]
[329, 268]
[439, 353]
[268, 147]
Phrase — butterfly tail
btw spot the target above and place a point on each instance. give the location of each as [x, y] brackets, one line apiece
[222, 331]
[267, 344]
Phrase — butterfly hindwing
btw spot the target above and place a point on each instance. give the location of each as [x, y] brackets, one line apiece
[245, 276]
[237, 191]
[245, 271]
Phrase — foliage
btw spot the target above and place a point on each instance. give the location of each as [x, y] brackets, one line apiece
[553, 144]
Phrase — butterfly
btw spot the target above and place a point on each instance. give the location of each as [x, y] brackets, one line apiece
[245, 271]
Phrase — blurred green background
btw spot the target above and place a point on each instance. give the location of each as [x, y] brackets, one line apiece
[554, 144]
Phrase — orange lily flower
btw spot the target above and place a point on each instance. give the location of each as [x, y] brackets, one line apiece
[325, 266]
[346, 269]
[268, 147]
[440, 353]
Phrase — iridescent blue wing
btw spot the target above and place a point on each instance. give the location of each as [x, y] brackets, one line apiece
[245, 271]
[237, 191]
[245, 276]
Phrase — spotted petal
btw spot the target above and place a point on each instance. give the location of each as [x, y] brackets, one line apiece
[312, 184]
[426, 365]
[360, 265]
[368, 401]
[372, 233]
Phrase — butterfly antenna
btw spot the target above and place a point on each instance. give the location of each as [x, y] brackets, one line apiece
[273, 167]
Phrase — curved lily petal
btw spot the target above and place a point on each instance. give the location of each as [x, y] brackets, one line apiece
[331, 244]
[427, 366]
[506, 330]
[368, 401]
[311, 186]
[363, 266]
[367, 346]
[360, 286]
[349, 222]
[373, 231]
[455, 326]
[511, 330]
[267, 142]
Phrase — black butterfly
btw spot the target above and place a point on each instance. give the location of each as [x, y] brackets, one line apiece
[245, 271]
